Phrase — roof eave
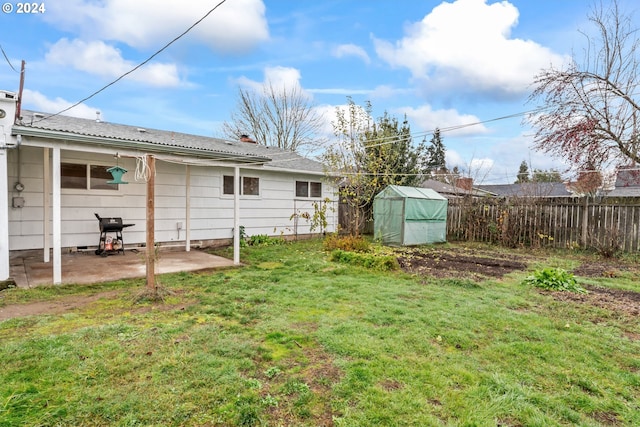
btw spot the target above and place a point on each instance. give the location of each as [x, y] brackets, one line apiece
[136, 145]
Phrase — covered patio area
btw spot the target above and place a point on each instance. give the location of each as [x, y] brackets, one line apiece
[28, 269]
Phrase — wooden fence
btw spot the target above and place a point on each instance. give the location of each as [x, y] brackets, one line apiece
[557, 222]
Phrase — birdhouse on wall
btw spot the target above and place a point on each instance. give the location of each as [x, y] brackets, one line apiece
[117, 173]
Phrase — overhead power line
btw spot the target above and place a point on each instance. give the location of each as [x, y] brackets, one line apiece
[7, 59]
[137, 66]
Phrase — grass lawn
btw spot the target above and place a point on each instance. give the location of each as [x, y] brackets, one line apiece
[294, 339]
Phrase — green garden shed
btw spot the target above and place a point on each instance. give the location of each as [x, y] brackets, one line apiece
[408, 216]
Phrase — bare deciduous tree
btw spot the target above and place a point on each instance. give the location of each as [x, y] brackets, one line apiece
[280, 117]
[590, 110]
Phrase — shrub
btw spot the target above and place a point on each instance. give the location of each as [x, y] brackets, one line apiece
[346, 243]
[373, 261]
[554, 279]
[264, 240]
[608, 243]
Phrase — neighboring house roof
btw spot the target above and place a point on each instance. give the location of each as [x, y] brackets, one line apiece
[450, 191]
[628, 177]
[529, 189]
[120, 136]
[623, 192]
[627, 183]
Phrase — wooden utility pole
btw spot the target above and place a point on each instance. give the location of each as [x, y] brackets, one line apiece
[151, 247]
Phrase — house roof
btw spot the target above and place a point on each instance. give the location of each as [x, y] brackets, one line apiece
[452, 191]
[529, 189]
[119, 136]
[628, 177]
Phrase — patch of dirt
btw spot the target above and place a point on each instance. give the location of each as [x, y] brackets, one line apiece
[320, 374]
[58, 306]
[611, 268]
[459, 263]
[480, 265]
[606, 418]
[619, 300]
[71, 303]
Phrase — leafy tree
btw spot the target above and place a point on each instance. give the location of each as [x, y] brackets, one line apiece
[551, 175]
[280, 117]
[588, 183]
[369, 155]
[591, 108]
[523, 173]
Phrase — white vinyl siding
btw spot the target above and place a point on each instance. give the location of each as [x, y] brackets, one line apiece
[211, 214]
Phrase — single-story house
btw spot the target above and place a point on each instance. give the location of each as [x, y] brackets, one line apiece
[54, 177]
[528, 189]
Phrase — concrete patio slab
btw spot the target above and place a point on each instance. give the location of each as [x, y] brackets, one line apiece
[28, 269]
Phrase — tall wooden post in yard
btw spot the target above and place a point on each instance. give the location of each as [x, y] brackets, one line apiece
[151, 247]
[585, 222]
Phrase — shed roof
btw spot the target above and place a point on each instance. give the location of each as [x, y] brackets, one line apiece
[410, 192]
[155, 140]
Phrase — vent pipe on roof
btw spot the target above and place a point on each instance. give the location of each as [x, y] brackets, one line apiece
[98, 117]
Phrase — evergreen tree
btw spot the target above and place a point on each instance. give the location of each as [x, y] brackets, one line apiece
[523, 173]
[435, 156]
[551, 175]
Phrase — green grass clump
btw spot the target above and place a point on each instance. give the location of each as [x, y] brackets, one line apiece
[368, 260]
[554, 279]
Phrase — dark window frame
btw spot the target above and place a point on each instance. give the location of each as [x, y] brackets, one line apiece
[308, 189]
[86, 176]
[249, 185]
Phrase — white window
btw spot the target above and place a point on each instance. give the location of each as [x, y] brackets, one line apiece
[250, 186]
[308, 189]
[85, 177]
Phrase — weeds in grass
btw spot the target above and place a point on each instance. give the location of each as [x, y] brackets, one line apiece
[368, 260]
[346, 243]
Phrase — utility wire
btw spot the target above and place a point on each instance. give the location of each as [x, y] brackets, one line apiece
[7, 59]
[137, 66]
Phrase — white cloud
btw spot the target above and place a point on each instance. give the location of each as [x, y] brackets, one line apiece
[428, 119]
[351, 50]
[34, 100]
[466, 44]
[477, 168]
[235, 26]
[106, 61]
[280, 78]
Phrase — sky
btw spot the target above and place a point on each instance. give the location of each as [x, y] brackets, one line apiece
[463, 66]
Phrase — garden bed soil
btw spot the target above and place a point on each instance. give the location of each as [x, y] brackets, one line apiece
[460, 263]
[481, 265]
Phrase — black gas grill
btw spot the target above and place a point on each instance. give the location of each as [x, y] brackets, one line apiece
[110, 244]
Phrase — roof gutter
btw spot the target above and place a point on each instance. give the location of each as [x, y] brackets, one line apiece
[136, 145]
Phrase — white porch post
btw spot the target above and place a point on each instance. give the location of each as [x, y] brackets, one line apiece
[187, 214]
[46, 206]
[236, 215]
[57, 225]
[4, 216]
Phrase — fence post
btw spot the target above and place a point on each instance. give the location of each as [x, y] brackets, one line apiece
[585, 214]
